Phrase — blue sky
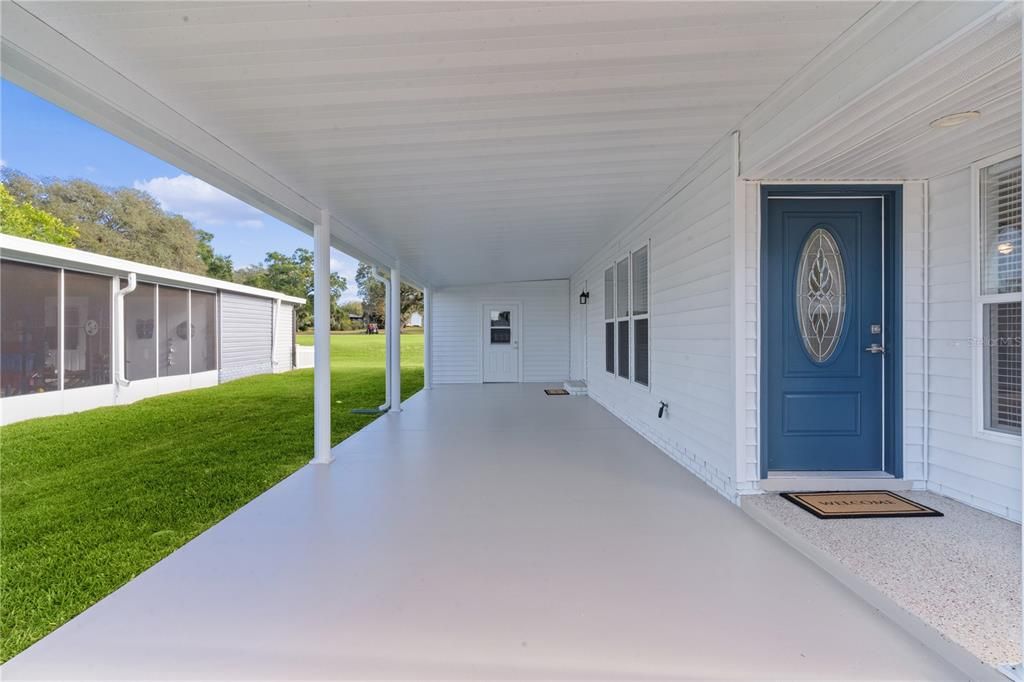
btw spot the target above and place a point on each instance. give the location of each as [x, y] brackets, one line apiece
[42, 140]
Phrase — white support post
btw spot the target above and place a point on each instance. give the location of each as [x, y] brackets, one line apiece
[427, 346]
[394, 328]
[322, 340]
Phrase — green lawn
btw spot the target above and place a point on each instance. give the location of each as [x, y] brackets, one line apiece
[91, 500]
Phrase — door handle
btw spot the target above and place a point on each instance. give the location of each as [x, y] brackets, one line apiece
[875, 348]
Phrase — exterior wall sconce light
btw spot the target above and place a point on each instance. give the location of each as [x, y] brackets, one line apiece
[584, 297]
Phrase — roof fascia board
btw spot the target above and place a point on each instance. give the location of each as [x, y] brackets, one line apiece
[28, 250]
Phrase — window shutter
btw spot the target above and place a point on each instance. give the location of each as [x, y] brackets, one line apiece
[1000, 225]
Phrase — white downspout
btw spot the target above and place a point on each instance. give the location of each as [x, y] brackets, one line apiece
[375, 273]
[120, 330]
[273, 333]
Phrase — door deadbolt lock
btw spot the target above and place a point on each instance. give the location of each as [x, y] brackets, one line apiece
[876, 329]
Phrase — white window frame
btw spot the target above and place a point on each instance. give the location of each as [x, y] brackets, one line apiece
[630, 317]
[633, 317]
[619, 317]
[978, 303]
[604, 328]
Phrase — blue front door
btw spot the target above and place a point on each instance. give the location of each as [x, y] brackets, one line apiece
[824, 333]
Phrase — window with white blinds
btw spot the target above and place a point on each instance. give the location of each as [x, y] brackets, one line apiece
[999, 293]
[1002, 366]
[1000, 225]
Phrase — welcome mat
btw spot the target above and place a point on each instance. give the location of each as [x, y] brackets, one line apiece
[860, 504]
[556, 391]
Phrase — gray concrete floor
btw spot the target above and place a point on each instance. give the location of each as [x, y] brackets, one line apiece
[486, 532]
[959, 573]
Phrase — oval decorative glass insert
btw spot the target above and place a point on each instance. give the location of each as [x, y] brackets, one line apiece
[821, 295]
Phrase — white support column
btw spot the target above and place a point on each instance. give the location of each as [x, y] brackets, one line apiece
[322, 340]
[394, 328]
[427, 346]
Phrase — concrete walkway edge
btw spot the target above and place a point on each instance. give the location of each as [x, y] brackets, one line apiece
[952, 652]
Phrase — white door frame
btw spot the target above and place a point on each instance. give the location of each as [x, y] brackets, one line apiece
[517, 335]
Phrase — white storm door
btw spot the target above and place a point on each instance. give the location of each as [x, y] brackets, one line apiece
[501, 343]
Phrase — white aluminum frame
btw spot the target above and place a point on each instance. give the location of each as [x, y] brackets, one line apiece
[60, 330]
[978, 303]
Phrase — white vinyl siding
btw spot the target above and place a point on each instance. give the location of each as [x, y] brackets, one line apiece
[456, 330]
[962, 462]
[246, 335]
[691, 358]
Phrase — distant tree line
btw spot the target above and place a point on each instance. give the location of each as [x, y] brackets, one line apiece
[372, 293]
[129, 223]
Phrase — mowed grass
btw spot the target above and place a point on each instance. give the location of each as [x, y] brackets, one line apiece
[91, 500]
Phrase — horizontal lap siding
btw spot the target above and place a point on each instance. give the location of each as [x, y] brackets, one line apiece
[962, 465]
[246, 336]
[456, 328]
[913, 332]
[691, 326]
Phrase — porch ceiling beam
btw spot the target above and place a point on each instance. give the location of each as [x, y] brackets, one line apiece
[40, 59]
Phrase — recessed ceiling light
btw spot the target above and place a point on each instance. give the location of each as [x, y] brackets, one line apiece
[953, 120]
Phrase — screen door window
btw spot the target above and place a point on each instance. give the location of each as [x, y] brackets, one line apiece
[501, 327]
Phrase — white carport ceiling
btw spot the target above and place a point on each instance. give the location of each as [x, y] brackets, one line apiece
[475, 141]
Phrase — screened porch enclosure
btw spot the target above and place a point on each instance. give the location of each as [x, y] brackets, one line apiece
[80, 330]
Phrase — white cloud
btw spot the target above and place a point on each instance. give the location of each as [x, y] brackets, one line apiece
[202, 203]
